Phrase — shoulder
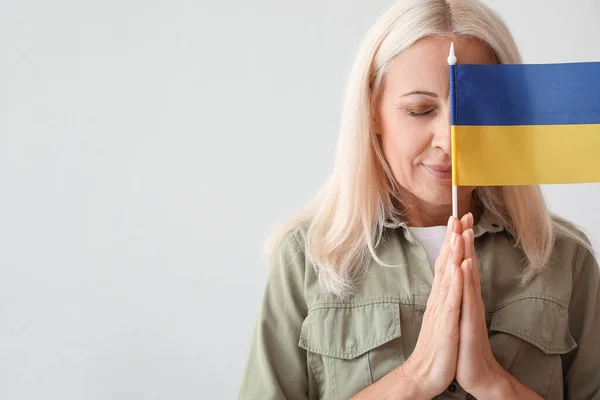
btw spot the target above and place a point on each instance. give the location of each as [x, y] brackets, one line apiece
[569, 254]
[572, 241]
[566, 228]
[289, 267]
[288, 248]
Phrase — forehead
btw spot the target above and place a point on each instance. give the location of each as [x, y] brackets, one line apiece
[424, 65]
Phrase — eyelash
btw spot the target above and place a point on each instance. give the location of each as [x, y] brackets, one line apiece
[419, 115]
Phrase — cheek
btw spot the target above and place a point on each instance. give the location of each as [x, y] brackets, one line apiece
[403, 152]
[405, 146]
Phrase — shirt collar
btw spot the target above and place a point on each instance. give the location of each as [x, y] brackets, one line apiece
[488, 222]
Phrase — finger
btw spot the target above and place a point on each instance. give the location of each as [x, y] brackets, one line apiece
[455, 258]
[456, 250]
[469, 240]
[468, 292]
[440, 262]
[464, 222]
[472, 307]
[458, 227]
[468, 301]
[454, 299]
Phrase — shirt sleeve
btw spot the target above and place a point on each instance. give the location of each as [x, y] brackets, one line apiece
[277, 366]
[581, 367]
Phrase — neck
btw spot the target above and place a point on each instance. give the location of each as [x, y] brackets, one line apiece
[421, 214]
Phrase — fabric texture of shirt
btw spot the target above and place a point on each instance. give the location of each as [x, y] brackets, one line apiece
[308, 344]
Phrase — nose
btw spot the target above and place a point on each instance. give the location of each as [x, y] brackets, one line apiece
[441, 131]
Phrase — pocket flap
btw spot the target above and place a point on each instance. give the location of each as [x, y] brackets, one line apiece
[541, 322]
[347, 331]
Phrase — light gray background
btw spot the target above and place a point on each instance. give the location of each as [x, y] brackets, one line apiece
[147, 147]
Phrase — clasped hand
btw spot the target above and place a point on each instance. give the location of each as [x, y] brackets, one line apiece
[453, 342]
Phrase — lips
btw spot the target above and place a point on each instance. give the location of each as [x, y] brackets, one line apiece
[440, 171]
[440, 167]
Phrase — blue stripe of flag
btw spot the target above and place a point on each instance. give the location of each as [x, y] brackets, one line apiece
[527, 94]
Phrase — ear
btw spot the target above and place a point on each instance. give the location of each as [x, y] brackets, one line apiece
[376, 124]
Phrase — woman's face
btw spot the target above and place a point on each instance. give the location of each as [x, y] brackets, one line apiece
[413, 116]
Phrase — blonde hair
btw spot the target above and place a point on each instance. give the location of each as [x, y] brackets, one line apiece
[344, 223]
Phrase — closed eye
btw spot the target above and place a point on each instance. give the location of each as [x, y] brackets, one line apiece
[419, 115]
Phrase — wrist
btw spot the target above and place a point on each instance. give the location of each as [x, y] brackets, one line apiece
[411, 386]
[501, 388]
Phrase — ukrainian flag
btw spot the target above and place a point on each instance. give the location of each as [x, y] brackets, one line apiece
[519, 124]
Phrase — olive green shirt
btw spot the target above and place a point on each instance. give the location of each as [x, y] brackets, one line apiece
[309, 344]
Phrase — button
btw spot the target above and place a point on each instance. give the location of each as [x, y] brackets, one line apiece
[452, 388]
[350, 342]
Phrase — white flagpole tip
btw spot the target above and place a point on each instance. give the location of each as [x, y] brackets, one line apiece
[452, 58]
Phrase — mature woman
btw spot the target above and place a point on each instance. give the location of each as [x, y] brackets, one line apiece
[375, 294]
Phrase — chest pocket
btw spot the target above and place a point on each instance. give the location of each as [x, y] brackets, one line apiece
[528, 337]
[351, 346]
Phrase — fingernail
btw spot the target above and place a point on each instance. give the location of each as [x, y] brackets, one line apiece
[453, 240]
[450, 224]
[471, 219]
[452, 270]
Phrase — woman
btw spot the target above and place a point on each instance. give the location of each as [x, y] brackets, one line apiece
[375, 294]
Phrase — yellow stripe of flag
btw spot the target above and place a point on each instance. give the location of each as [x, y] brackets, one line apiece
[525, 154]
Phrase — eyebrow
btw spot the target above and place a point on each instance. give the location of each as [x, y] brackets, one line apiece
[431, 94]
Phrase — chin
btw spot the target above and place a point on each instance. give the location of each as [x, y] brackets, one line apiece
[431, 191]
[436, 196]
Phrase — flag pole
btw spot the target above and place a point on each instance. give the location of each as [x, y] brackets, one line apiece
[452, 64]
